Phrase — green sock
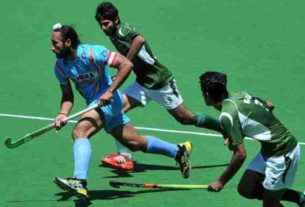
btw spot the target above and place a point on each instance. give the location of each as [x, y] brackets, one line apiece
[208, 122]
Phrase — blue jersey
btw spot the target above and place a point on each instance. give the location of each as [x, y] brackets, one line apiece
[89, 71]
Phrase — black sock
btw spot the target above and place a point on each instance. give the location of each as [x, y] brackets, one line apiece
[292, 196]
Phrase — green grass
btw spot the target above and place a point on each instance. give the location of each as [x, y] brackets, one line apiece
[259, 44]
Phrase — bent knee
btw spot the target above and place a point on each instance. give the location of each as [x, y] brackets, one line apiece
[76, 133]
[247, 192]
[82, 130]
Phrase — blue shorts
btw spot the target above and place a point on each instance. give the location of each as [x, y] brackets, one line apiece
[113, 113]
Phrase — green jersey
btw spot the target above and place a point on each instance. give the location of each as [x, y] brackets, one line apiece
[150, 73]
[243, 115]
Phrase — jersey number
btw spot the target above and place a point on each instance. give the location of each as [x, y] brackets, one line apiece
[249, 99]
[174, 87]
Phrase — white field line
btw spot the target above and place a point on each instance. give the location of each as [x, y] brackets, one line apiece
[137, 127]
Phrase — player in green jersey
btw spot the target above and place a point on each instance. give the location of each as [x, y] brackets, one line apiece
[271, 173]
[153, 80]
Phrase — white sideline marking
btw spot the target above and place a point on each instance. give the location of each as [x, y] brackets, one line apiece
[137, 127]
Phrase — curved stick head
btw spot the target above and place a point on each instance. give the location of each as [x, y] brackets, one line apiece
[8, 143]
[114, 184]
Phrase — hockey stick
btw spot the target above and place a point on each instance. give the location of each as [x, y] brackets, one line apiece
[28, 137]
[118, 184]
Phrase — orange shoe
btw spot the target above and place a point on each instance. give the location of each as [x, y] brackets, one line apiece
[118, 161]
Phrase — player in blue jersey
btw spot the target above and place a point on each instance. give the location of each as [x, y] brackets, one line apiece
[87, 67]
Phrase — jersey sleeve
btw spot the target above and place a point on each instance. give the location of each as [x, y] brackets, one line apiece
[127, 32]
[102, 56]
[230, 124]
[59, 72]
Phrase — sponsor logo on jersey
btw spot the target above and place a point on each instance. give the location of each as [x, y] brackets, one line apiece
[86, 76]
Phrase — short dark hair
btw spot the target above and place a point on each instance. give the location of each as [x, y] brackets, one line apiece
[215, 84]
[106, 10]
[67, 32]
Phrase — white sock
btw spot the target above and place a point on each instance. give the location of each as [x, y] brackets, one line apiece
[82, 155]
[123, 150]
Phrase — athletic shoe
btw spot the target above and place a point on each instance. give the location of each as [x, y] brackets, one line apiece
[72, 185]
[118, 161]
[183, 156]
[302, 200]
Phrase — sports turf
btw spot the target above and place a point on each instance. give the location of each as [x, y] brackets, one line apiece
[259, 44]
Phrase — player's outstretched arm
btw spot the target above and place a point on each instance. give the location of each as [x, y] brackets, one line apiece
[136, 46]
[238, 158]
[124, 67]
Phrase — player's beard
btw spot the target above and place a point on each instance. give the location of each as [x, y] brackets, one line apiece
[110, 32]
[64, 53]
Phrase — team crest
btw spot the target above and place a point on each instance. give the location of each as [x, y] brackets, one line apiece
[104, 53]
[123, 31]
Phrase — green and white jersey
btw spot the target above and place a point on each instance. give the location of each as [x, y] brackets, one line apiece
[243, 115]
[150, 72]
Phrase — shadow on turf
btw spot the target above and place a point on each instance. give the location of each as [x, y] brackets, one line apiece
[139, 167]
[106, 195]
[95, 195]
